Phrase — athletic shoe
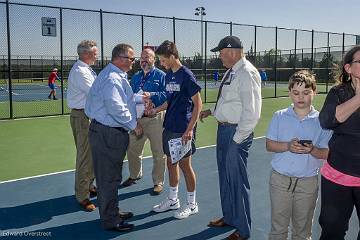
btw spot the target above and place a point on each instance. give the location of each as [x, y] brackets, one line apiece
[189, 209]
[166, 205]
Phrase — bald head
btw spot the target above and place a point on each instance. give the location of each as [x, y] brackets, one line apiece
[147, 60]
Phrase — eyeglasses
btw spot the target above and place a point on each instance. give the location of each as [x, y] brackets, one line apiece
[356, 61]
[132, 59]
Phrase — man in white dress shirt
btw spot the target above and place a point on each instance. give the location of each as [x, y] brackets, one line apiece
[237, 111]
[81, 77]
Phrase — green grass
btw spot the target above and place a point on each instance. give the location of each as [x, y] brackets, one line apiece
[32, 108]
[43, 145]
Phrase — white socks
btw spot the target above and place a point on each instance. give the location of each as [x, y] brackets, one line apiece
[173, 193]
[191, 197]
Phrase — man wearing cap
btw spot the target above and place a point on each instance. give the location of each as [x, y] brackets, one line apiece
[237, 111]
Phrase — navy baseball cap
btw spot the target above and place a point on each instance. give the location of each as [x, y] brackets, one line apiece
[228, 42]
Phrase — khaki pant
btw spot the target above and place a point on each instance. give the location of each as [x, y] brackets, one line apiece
[84, 172]
[292, 198]
[153, 131]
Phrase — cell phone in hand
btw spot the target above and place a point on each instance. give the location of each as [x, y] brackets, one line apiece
[302, 142]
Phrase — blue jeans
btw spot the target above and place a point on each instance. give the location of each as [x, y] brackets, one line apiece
[233, 178]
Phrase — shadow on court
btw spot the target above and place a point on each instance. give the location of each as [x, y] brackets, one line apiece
[47, 204]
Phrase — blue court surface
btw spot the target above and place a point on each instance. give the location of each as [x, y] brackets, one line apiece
[28, 92]
[45, 207]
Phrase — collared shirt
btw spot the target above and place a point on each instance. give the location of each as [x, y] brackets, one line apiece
[153, 82]
[111, 100]
[81, 77]
[286, 125]
[240, 99]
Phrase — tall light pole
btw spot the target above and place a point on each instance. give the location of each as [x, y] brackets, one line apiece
[200, 11]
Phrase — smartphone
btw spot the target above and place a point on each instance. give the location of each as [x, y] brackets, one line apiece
[302, 142]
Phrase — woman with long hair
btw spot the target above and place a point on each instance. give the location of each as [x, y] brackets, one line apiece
[340, 182]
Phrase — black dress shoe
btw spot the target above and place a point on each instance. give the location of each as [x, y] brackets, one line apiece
[128, 182]
[122, 227]
[93, 192]
[125, 215]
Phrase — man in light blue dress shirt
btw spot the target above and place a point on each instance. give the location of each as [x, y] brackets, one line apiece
[111, 106]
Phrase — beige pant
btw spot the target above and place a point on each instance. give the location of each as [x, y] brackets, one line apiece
[295, 199]
[84, 172]
[153, 131]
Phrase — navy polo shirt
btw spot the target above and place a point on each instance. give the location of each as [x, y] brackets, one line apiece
[180, 87]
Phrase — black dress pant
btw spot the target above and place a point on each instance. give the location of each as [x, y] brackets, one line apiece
[108, 148]
[337, 204]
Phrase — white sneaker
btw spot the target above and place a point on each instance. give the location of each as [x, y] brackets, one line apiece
[190, 209]
[166, 205]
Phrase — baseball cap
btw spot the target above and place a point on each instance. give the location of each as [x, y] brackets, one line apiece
[228, 42]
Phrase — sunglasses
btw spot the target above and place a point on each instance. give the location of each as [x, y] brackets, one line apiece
[132, 59]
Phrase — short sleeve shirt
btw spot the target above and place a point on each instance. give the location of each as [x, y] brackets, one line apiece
[180, 87]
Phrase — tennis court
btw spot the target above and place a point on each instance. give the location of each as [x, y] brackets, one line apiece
[46, 205]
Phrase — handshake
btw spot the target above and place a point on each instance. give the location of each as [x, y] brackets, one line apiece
[149, 107]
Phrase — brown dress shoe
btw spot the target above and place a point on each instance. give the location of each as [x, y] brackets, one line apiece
[87, 205]
[217, 223]
[158, 189]
[235, 236]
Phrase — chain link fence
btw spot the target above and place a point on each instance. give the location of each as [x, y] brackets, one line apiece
[27, 57]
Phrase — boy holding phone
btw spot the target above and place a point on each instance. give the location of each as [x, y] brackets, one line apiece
[299, 144]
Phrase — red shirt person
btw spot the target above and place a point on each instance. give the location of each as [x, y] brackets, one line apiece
[51, 83]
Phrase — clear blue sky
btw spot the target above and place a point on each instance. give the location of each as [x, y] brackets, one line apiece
[322, 15]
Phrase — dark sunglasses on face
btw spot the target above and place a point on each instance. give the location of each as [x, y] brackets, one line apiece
[132, 59]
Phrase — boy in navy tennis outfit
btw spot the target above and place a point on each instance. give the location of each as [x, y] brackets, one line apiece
[183, 106]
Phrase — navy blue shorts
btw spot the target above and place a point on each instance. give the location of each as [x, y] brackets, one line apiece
[51, 86]
[167, 135]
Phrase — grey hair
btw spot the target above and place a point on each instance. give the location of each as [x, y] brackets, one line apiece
[85, 46]
[120, 50]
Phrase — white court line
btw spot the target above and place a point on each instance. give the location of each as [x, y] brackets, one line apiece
[30, 118]
[71, 170]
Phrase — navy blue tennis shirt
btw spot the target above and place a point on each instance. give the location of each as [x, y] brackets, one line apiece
[180, 87]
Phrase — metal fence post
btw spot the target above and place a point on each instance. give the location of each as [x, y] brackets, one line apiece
[343, 45]
[275, 60]
[174, 31]
[205, 65]
[231, 28]
[328, 62]
[142, 32]
[255, 29]
[102, 38]
[9, 58]
[312, 49]
[62, 61]
[295, 54]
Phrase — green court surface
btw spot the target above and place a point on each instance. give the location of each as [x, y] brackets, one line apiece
[44, 145]
[45, 107]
